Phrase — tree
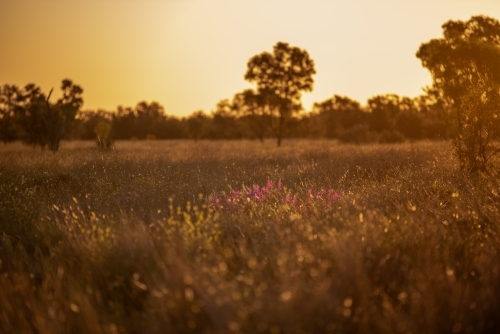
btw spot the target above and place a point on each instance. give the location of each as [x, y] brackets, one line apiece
[281, 77]
[395, 118]
[173, 128]
[148, 119]
[477, 114]
[124, 123]
[224, 123]
[465, 67]
[45, 124]
[410, 122]
[196, 124]
[384, 111]
[9, 96]
[338, 114]
[250, 107]
[87, 122]
[436, 119]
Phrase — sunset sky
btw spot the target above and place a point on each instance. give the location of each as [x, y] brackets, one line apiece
[189, 54]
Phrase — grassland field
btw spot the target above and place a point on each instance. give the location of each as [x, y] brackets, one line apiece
[246, 237]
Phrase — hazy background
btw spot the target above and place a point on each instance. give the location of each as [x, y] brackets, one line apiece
[189, 54]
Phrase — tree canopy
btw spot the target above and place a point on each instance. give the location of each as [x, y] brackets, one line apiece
[465, 67]
[281, 77]
[467, 51]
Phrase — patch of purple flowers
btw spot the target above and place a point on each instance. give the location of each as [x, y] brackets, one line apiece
[273, 194]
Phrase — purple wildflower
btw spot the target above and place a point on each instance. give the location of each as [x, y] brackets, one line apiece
[292, 200]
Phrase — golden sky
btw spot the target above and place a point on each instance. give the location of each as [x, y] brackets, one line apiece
[189, 54]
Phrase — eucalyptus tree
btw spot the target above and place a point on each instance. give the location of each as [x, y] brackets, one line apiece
[281, 77]
[44, 123]
[465, 67]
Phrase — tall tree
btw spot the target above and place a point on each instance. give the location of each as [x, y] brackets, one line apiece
[46, 124]
[9, 97]
[465, 67]
[281, 77]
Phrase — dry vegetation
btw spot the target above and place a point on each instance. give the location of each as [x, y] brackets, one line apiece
[144, 239]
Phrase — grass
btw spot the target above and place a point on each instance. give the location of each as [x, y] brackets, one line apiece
[216, 237]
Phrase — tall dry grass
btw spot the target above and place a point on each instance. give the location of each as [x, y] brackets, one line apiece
[130, 241]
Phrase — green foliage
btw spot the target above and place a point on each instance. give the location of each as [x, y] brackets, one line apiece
[281, 77]
[251, 107]
[386, 109]
[103, 132]
[467, 51]
[338, 115]
[358, 134]
[249, 115]
[86, 122]
[145, 119]
[196, 125]
[477, 116]
[466, 71]
[9, 95]
[45, 124]
[224, 123]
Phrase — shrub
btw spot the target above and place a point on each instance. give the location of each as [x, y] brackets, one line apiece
[102, 131]
[476, 115]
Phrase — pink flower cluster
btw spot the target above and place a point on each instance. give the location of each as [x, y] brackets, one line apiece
[328, 196]
[240, 199]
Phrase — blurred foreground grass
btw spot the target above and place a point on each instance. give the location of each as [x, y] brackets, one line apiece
[173, 237]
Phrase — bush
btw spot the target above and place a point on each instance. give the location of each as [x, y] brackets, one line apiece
[102, 131]
[477, 113]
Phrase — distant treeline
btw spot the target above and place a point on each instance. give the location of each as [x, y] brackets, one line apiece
[462, 103]
[385, 118]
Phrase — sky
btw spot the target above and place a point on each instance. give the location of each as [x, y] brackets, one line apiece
[189, 54]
